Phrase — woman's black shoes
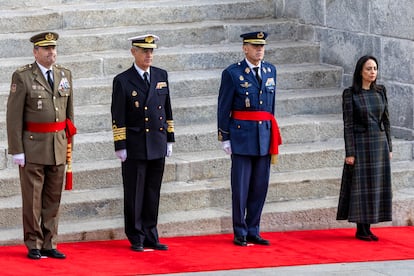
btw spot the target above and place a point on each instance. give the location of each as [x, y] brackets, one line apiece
[366, 237]
[363, 237]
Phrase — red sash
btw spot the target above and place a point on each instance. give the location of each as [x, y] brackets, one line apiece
[45, 127]
[55, 127]
[275, 139]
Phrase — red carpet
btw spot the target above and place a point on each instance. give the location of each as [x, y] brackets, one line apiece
[215, 252]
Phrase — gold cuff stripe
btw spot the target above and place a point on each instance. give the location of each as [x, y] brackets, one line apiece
[119, 133]
[170, 128]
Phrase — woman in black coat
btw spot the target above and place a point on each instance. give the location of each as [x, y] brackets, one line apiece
[366, 194]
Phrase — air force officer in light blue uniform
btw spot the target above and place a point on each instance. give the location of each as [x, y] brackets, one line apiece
[249, 133]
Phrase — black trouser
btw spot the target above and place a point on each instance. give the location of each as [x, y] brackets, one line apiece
[142, 184]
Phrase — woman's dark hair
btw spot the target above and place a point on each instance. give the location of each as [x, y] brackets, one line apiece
[357, 80]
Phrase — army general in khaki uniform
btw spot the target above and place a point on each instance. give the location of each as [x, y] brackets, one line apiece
[38, 108]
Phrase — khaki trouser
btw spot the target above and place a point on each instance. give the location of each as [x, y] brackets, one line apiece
[41, 193]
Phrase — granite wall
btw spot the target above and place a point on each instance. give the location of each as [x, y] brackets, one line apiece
[349, 29]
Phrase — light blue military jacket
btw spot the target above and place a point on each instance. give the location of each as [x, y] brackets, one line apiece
[239, 90]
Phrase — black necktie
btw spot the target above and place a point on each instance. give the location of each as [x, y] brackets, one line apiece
[49, 78]
[146, 79]
[259, 80]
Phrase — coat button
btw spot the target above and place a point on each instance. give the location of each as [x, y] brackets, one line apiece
[147, 129]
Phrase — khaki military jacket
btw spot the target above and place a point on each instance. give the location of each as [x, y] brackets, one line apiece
[32, 100]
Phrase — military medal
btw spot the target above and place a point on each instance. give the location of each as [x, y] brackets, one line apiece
[136, 104]
[39, 105]
[247, 102]
[64, 83]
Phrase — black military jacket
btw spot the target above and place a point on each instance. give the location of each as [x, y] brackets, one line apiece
[142, 121]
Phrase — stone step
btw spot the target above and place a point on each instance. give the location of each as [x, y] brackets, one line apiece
[201, 57]
[181, 34]
[198, 165]
[308, 101]
[295, 201]
[21, 4]
[90, 15]
[95, 116]
[297, 131]
[196, 137]
[199, 83]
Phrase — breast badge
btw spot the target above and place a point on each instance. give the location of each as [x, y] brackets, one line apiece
[270, 82]
[245, 84]
[161, 85]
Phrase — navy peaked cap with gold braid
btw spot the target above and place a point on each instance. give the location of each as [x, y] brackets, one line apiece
[254, 38]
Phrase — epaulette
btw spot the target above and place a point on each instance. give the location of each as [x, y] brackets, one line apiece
[234, 65]
[60, 66]
[24, 68]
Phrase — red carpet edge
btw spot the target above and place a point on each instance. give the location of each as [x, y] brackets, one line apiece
[214, 252]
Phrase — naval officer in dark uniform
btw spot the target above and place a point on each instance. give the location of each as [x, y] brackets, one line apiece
[143, 130]
[249, 132]
[39, 107]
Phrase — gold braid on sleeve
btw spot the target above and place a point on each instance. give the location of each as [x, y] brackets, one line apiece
[170, 128]
[119, 133]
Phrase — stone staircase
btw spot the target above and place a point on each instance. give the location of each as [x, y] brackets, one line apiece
[198, 40]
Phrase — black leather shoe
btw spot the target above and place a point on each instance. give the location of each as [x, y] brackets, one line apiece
[34, 254]
[157, 246]
[240, 241]
[137, 247]
[373, 237]
[257, 240]
[363, 237]
[53, 253]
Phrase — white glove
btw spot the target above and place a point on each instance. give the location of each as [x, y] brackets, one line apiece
[169, 149]
[19, 159]
[121, 154]
[226, 146]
